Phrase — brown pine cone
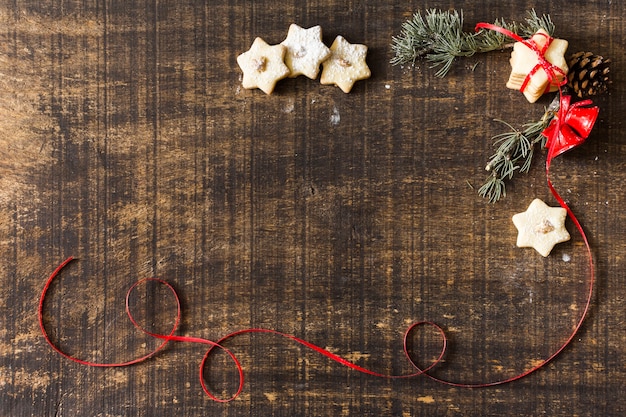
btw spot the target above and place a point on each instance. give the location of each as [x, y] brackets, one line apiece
[588, 74]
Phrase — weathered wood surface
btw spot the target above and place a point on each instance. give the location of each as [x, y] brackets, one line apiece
[127, 142]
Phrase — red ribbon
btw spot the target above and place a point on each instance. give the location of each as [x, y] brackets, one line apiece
[550, 70]
[568, 129]
[172, 337]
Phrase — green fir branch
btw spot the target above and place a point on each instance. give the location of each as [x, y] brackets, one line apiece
[438, 37]
[514, 152]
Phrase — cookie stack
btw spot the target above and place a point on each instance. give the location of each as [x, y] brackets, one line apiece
[302, 53]
[524, 60]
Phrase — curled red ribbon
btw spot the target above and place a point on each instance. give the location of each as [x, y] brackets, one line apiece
[172, 337]
[550, 69]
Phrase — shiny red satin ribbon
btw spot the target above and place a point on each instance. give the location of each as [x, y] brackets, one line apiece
[543, 63]
[571, 126]
[218, 345]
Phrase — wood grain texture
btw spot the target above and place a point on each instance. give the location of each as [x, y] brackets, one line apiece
[127, 141]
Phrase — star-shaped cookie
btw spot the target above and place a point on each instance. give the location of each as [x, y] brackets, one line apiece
[305, 51]
[346, 64]
[263, 65]
[541, 227]
[524, 60]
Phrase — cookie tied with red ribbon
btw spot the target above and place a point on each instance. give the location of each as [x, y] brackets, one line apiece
[538, 65]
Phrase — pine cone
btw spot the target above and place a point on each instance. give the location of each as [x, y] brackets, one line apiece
[588, 74]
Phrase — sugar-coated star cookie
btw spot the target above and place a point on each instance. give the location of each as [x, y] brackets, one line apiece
[541, 227]
[305, 51]
[263, 66]
[346, 64]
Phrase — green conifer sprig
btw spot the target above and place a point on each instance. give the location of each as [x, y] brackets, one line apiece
[514, 152]
[438, 36]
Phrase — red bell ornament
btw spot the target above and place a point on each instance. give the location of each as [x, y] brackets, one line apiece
[571, 126]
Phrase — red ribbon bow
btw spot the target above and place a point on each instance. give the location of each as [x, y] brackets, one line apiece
[570, 127]
[550, 70]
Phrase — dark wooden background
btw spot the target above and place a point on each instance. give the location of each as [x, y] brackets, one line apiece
[127, 141]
